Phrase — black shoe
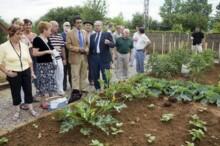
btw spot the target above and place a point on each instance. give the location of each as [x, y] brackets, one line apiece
[75, 95]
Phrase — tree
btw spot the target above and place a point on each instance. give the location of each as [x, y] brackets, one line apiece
[168, 13]
[188, 13]
[3, 34]
[62, 14]
[154, 24]
[137, 20]
[195, 13]
[216, 27]
[118, 20]
[217, 16]
[94, 10]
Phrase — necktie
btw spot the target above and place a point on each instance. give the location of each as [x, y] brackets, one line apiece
[97, 39]
[80, 39]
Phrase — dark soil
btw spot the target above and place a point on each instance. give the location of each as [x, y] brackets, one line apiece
[138, 120]
[210, 77]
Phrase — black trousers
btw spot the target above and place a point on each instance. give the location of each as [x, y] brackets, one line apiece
[98, 66]
[23, 79]
[67, 71]
[90, 70]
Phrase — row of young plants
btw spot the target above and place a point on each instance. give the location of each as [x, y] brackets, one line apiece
[170, 64]
[95, 111]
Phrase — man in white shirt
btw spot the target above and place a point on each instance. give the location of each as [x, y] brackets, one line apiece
[135, 36]
[141, 43]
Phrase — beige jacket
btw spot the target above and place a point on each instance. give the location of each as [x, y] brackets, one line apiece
[73, 46]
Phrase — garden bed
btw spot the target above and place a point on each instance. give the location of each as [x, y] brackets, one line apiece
[138, 120]
[159, 112]
[210, 77]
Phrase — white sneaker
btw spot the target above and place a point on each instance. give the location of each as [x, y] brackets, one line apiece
[61, 93]
[16, 116]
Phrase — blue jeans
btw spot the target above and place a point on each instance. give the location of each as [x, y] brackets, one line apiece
[140, 61]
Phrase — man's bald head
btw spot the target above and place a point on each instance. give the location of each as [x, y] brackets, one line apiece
[98, 25]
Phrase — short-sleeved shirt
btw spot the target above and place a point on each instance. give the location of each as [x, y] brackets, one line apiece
[197, 38]
[56, 40]
[13, 59]
[124, 45]
[142, 42]
[40, 44]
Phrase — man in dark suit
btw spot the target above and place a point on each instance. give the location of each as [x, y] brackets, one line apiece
[100, 53]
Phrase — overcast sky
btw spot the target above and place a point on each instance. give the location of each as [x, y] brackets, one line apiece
[33, 9]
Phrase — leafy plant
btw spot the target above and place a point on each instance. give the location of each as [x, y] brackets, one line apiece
[189, 143]
[96, 142]
[198, 123]
[150, 138]
[208, 55]
[85, 131]
[91, 111]
[3, 140]
[166, 117]
[180, 56]
[162, 65]
[197, 134]
[151, 106]
[197, 65]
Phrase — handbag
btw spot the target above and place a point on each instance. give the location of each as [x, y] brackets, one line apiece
[54, 60]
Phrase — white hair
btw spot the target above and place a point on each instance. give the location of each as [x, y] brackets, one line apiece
[126, 30]
[98, 22]
[53, 22]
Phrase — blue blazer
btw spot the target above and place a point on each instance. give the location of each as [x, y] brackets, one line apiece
[105, 52]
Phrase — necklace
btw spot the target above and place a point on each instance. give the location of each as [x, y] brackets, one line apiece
[18, 54]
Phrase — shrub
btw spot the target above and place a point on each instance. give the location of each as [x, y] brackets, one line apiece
[208, 56]
[162, 65]
[197, 65]
[180, 56]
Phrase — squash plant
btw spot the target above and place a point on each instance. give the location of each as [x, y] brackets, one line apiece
[91, 111]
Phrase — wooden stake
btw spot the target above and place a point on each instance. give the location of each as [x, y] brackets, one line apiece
[162, 43]
[153, 47]
[206, 45]
[213, 45]
[219, 51]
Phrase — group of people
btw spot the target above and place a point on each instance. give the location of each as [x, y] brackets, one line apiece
[78, 54]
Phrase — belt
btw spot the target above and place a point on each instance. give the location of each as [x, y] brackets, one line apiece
[58, 57]
[141, 50]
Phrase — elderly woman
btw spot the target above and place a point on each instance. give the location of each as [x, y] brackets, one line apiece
[15, 62]
[42, 50]
[28, 40]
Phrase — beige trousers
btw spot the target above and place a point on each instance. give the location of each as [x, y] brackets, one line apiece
[79, 74]
[122, 64]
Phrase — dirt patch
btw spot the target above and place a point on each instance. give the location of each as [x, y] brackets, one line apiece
[210, 77]
[138, 120]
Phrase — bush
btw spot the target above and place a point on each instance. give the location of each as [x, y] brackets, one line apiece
[170, 64]
[162, 65]
[197, 65]
[179, 57]
[208, 56]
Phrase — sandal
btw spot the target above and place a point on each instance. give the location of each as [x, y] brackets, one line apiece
[34, 113]
[44, 106]
[23, 106]
[16, 116]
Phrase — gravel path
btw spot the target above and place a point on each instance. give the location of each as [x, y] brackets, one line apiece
[6, 108]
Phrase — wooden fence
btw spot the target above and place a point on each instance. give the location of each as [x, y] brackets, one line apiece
[167, 41]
